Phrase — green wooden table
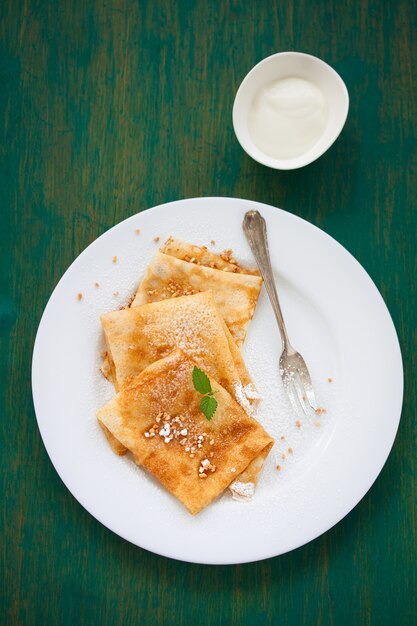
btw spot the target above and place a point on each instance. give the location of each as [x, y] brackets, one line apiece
[110, 107]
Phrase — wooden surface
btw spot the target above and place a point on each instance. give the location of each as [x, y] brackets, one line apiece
[110, 107]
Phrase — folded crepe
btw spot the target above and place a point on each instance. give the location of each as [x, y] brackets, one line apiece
[249, 391]
[200, 255]
[235, 293]
[157, 417]
[138, 336]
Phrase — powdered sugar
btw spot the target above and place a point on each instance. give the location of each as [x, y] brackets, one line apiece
[243, 492]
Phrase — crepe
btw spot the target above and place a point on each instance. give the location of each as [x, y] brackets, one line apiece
[158, 418]
[200, 255]
[235, 294]
[139, 336]
[249, 391]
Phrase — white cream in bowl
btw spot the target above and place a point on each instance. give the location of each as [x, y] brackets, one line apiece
[289, 110]
[287, 117]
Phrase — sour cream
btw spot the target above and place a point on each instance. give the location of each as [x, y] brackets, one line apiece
[287, 117]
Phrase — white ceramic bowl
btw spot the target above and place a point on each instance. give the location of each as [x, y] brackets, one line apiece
[283, 65]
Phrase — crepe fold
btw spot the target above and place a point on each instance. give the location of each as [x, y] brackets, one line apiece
[158, 418]
[235, 292]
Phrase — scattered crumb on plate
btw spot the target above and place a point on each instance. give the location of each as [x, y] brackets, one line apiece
[115, 259]
[79, 295]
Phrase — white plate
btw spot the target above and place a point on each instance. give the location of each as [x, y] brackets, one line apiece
[336, 318]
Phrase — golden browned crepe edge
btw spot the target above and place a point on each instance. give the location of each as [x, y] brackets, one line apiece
[108, 371]
[117, 447]
[237, 357]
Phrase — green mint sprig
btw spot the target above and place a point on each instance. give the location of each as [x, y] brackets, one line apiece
[201, 382]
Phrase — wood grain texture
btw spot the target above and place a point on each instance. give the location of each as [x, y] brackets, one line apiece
[108, 108]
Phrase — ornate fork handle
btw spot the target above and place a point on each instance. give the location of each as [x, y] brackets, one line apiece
[254, 227]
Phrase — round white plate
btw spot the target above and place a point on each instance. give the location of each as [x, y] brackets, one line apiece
[336, 318]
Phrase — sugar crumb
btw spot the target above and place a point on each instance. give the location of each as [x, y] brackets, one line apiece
[156, 239]
[79, 295]
[317, 423]
[137, 231]
[298, 423]
[115, 259]
[290, 451]
[330, 380]
[97, 285]
[213, 242]
[279, 468]
[320, 410]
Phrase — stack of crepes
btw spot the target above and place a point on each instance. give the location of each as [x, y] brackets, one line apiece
[192, 308]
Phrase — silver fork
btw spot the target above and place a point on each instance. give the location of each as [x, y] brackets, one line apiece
[292, 367]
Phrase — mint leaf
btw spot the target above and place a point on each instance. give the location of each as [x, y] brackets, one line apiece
[208, 406]
[201, 381]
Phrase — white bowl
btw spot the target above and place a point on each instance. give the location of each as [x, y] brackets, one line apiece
[283, 65]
